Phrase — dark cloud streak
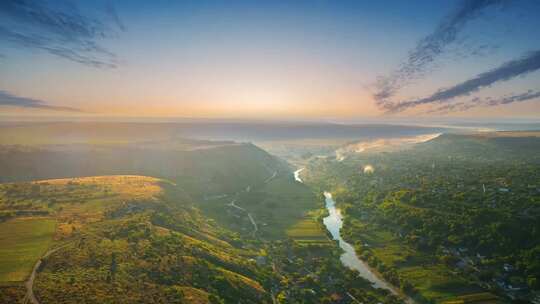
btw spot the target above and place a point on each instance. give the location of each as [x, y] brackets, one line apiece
[514, 98]
[485, 102]
[7, 99]
[507, 71]
[429, 48]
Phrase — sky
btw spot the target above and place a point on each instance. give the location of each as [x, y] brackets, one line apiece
[270, 59]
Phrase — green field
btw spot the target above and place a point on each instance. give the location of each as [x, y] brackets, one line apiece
[22, 242]
[307, 231]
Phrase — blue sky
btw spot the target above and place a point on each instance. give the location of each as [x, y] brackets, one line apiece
[252, 59]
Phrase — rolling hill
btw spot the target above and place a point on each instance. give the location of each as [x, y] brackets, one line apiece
[121, 239]
[201, 169]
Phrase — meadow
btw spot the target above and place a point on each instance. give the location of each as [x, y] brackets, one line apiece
[23, 241]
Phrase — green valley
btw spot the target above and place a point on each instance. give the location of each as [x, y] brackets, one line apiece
[220, 223]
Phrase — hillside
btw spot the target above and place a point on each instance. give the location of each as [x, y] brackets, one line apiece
[122, 239]
[203, 168]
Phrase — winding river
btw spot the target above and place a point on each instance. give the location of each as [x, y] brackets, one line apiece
[333, 223]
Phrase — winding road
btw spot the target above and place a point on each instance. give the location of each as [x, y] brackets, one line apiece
[250, 217]
[30, 297]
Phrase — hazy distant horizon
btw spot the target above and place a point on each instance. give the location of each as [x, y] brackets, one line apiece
[349, 121]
